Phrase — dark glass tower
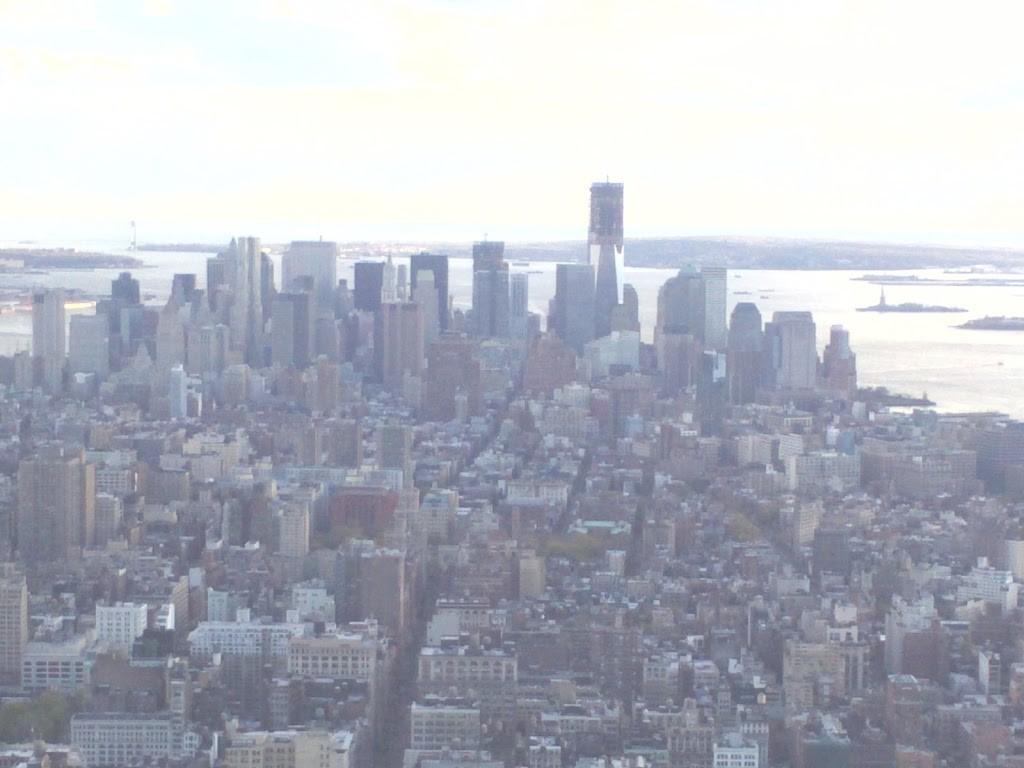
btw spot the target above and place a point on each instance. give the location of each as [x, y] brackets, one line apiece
[369, 282]
[490, 290]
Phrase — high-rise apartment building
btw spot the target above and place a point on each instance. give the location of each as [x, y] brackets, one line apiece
[436, 264]
[605, 239]
[48, 336]
[293, 528]
[56, 504]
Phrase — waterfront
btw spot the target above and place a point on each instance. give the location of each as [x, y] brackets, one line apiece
[962, 370]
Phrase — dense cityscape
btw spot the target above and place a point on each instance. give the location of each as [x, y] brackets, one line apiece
[285, 521]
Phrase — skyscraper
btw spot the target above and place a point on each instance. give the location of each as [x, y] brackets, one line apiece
[681, 305]
[369, 282]
[490, 290]
[241, 275]
[394, 450]
[48, 339]
[177, 392]
[792, 349]
[746, 353]
[453, 370]
[292, 329]
[519, 304]
[170, 335]
[317, 259]
[839, 363]
[344, 443]
[426, 296]
[125, 289]
[626, 316]
[56, 504]
[183, 287]
[716, 299]
[13, 622]
[90, 345]
[606, 241]
[397, 342]
[389, 282]
[572, 309]
[437, 263]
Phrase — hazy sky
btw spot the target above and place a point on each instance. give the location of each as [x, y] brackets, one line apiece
[877, 120]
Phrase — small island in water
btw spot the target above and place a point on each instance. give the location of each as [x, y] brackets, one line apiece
[883, 306]
[994, 324]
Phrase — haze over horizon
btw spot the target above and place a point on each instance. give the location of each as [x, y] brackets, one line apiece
[445, 120]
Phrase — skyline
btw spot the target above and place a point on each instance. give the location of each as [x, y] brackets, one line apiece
[426, 121]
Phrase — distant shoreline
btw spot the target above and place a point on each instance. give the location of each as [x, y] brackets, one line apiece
[675, 253]
[35, 259]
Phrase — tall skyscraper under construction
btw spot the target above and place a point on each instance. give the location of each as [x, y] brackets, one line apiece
[605, 241]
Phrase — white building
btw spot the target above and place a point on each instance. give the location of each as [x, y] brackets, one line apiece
[117, 739]
[990, 585]
[120, 624]
[734, 751]
[289, 749]
[244, 638]
[313, 602]
[444, 724]
[56, 666]
[338, 656]
[823, 470]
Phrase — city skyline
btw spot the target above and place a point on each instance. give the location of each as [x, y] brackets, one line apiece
[359, 122]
